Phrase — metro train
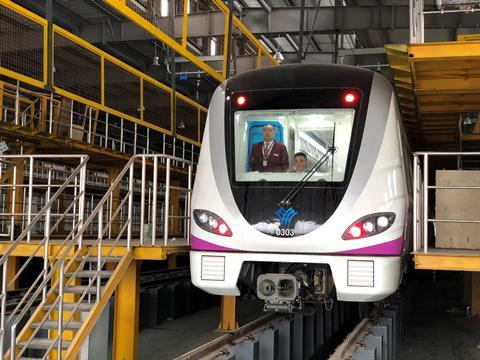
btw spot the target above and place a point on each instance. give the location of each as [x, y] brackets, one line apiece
[339, 225]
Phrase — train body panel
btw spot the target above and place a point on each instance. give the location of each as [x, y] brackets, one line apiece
[377, 184]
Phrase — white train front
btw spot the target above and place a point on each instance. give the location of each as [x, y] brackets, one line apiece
[291, 233]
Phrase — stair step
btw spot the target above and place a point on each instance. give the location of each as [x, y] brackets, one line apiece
[43, 344]
[79, 289]
[52, 324]
[90, 273]
[95, 259]
[85, 307]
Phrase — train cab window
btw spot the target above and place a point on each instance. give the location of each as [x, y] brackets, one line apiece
[282, 145]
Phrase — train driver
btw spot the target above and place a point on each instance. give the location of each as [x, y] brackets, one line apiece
[269, 155]
[301, 162]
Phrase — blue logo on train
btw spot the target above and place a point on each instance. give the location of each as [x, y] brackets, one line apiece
[286, 215]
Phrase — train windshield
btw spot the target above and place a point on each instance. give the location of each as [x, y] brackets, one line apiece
[282, 145]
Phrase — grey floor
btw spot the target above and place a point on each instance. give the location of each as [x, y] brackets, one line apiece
[176, 337]
[439, 326]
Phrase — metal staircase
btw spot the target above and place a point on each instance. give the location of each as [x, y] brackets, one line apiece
[79, 275]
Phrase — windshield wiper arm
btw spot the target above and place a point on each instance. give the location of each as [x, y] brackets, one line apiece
[287, 200]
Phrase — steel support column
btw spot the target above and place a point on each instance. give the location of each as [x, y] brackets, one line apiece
[172, 261]
[300, 36]
[1, 100]
[127, 299]
[12, 269]
[228, 314]
[228, 41]
[15, 195]
[475, 293]
[49, 16]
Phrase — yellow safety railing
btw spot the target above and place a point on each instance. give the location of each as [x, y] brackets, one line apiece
[86, 74]
[122, 90]
[158, 31]
[26, 38]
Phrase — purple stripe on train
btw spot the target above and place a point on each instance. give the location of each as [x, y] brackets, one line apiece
[393, 247]
[199, 244]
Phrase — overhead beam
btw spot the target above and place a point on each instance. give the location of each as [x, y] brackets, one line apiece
[283, 20]
[347, 19]
[245, 63]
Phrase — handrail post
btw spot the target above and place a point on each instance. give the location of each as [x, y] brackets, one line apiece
[14, 196]
[30, 197]
[75, 189]
[17, 102]
[13, 341]
[135, 140]
[130, 208]
[167, 201]
[154, 199]
[99, 254]
[121, 134]
[425, 203]
[81, 200]
[60, 313]
[89, 135]
[183, 154]
[4, 306]
[106, 130]
[71, 120]
[50, 126]
[148, 140]
[174, 147]
[47, 232]
[415, 201]
[142, 199]
[189, 199]
[110, 214]
[164, 146]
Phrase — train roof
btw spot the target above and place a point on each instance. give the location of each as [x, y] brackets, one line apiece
[301, 76]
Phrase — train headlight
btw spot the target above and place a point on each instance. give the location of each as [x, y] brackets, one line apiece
[382, 221]
[211, 222]
[203, 218]
[369, 225]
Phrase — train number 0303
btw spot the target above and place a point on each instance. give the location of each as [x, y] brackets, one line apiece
[285, 232]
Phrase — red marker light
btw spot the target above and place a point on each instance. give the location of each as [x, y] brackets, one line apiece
[350, 98]
[241, 100]
[223, 229]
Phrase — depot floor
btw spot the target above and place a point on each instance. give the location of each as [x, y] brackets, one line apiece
[174, 338]
[440, 327]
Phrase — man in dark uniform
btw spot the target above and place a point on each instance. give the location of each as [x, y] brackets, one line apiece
[269, 155]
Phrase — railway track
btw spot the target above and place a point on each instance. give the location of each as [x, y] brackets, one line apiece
[224, 344]
[333, 334]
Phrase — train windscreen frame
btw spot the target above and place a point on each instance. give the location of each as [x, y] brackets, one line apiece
[294, 98]
[283, 145]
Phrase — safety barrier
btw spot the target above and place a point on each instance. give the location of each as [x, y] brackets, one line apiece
[90, 76]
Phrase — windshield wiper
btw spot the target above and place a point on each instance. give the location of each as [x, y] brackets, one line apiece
[287, 200]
